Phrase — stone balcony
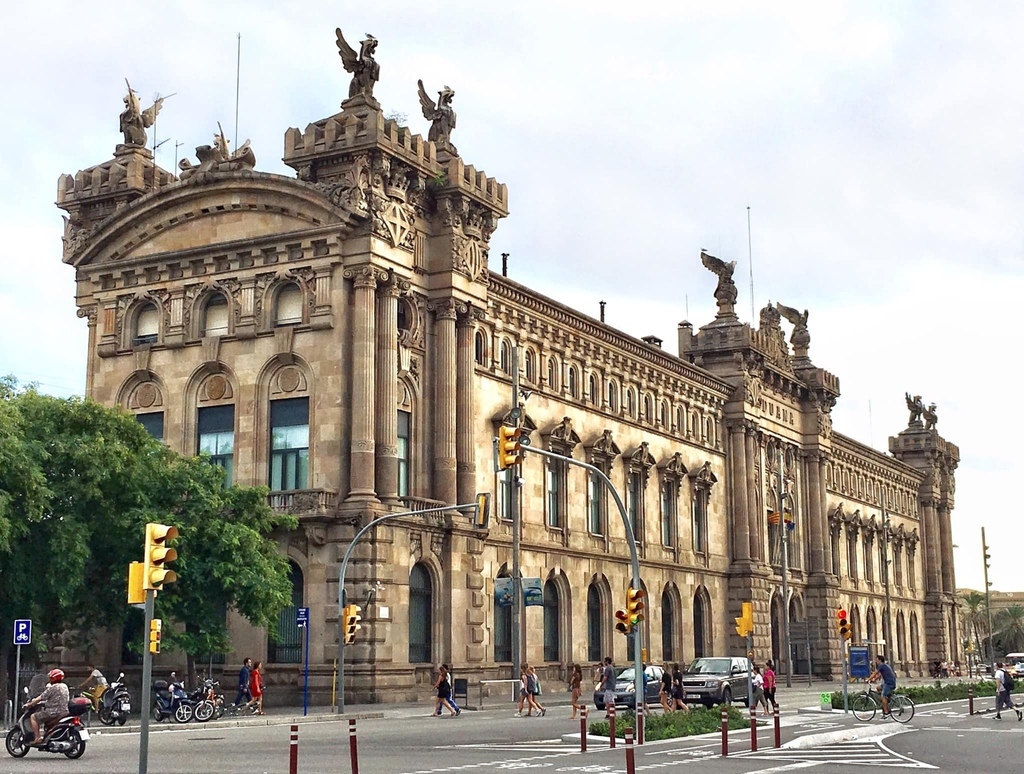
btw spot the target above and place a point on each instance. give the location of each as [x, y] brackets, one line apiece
[304, 502]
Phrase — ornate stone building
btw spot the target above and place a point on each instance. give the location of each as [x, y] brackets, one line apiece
[339, 337]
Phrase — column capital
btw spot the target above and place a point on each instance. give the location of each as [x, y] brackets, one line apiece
[444, 308]
[366, 276]
[469, 315]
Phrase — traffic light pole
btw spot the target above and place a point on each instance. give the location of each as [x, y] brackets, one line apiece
[988, 606]
[512, 479]
[147, 680]
[785, 572]
[341, 589]
[638, 664]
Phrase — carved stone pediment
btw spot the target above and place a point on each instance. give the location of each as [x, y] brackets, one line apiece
[562, 438]
[703, 477]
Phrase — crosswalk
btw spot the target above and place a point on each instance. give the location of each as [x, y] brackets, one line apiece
[865, 752]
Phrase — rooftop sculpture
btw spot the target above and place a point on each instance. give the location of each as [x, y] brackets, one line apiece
[364, 68]
[441, 116]
[918, 410]
[218, 157]
[725, 292]
[134, 120]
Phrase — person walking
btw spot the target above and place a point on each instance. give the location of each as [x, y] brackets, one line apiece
[533, 690]
[757, 681]
[523, 695]
[256, 688]
[1004, 687]
[243, 683]
[576, 688]
[607, 686]
[665, 694]
[769, 684]
[443, 685]
[884, 673]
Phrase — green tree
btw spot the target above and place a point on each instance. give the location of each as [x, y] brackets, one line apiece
[1009, 629]
[974, 602]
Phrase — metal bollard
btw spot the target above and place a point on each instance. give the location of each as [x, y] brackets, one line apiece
[583, 730]
[725, 732]
[352, 750]
[778, 729]
[640, 724]
[970, 700]
[753, 728]
[611, 727]
[293, 752]
[630, 764]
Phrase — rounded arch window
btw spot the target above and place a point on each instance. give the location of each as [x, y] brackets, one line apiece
[574, 385]
[421, 603]
[506, 357]
[215, 316]
[629, 402]
[648, 411]
[592, 389]
[613, 397]
[479, 348]
[552, 373]
[531, 367]
[288, 305]
[147, 325]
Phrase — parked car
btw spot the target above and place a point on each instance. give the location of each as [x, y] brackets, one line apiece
[625, 688]
[711, 681]
[1017, 671]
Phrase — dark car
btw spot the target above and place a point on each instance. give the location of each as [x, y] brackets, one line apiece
[711, 681]
[625, 688]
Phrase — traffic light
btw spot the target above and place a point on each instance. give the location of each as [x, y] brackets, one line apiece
[509, 446]
[745, 623]
[155, 628]
[843, 622]
[136, 591]
[622, 627]
[352, 618]
[483, 510]
[634, 606]
[158, 554]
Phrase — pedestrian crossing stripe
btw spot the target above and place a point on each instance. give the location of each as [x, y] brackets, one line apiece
[865, 753]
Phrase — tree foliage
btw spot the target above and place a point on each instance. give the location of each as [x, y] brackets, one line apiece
[1009, 629]
[78, 482]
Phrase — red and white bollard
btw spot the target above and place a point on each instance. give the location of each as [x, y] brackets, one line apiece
[630, 763]
[970, 701]
[583, 730]
[725, 732]
[293, 752]
[753, 728]
[640, 723]
[352, 750]
[611, 726]
[778, 729]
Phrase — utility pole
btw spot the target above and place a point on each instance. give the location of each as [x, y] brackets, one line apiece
[887, 620]
[513, 479]
[785, 569]
[988, 605]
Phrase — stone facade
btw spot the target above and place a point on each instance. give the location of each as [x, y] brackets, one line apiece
[347, 324]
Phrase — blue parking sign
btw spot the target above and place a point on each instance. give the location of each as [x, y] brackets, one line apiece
[23, 631]
[301, 616]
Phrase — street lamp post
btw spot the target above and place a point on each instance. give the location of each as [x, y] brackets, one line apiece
[887, 619]
[988, 605]
[785, 571]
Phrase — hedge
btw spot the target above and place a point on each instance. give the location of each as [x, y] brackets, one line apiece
[669, 725]
[925, 694]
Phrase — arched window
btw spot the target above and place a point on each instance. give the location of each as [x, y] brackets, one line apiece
[147, 325]
[648, 411]
[287, 648]
[478, 348]
[592, 390]
[574, 383]
[595, 651]
[701, 624]
[630, 406]
[663, 414]
[502, 623]
[505, 357]
[668, 626]
[680, 420]
[531, 367]
[215, 316]
[613, 397]
[421, 604]
[288, 305]
[551, 623]
[552, 374]
[914, 641]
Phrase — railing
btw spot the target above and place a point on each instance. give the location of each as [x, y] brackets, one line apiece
[303, 501]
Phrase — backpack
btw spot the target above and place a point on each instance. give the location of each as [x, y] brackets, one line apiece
[1008, 682]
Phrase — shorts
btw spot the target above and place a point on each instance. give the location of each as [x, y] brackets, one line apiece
[609, 699]
[887, 690]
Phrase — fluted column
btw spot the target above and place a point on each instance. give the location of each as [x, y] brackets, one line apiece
[465, 426]
[738, 485]
[445, 488]
[364, 346]
[754, 518]
[820, 541]
[932, 553]
[386, 422]
[91, 313]
[946, 550]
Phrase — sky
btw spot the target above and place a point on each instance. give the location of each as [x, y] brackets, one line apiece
[877, 146]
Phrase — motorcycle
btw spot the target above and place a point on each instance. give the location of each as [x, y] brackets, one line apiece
[115, 703]
[68, 736]
[209, 702]
[171, 700]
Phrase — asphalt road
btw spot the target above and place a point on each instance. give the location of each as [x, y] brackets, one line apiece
[941, 737]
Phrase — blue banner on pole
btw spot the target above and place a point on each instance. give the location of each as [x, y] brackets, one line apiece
[503, 592]
[533, 596]
[860, 665]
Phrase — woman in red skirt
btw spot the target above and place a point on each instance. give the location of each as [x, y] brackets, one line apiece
[256, 687]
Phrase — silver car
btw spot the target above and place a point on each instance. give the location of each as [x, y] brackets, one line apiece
[711, 681]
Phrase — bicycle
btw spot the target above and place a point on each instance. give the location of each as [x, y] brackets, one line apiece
[868, 702]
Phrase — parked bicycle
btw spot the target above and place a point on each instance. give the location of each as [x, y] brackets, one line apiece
[869, 701]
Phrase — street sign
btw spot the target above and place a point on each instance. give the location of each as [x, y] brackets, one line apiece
[859, 661]
[23, 631]
[301, 616]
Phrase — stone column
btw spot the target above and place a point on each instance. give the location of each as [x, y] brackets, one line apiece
[92, 313]
[386, 420]
[754, 517]
[445, 380]
[817, 535]
[738, 485]
[931, 539]
[946, 550]
[364, 345]
[465, 425]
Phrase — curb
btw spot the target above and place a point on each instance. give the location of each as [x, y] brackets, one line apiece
[845, 735]
[266, 720]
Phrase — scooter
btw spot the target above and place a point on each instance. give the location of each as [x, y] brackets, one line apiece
[68, 736]
[115, 703]
[171, 700]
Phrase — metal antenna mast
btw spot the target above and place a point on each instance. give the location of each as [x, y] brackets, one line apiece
[238, 77]
[750, 261]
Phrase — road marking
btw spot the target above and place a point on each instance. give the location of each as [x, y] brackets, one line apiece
[868, 752]
[788, 767]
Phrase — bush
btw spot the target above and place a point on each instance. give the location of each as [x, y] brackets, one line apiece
[925, 694]
[673, 724]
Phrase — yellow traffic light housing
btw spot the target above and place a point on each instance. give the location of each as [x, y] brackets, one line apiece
[843, 624]
[155, 629]
[483, 510]
[352, 619]
[622, 627]
[745, 623]
[157, 556]
[634, 606]
[509, 446]
[136, 591]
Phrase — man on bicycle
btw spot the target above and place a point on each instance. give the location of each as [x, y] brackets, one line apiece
[884, 673]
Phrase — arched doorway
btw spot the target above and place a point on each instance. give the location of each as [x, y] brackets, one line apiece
[775, 610]
[595, 620]
[701, 623]
[669, 619]
[801, 658]
[502, 621]
[552, 622]
[287, 648]
[872, 630]
[855, 625]
[901, 637]
[915, 642]
[421, 604]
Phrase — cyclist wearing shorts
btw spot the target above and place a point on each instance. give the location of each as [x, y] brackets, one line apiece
[884, 673]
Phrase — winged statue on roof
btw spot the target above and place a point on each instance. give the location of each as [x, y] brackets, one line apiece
[440, 114]
[134, 120]
[364, 68]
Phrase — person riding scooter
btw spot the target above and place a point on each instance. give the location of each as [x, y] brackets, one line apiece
[55, 700]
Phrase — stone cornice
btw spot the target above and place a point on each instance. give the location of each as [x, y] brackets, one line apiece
[872, 462]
